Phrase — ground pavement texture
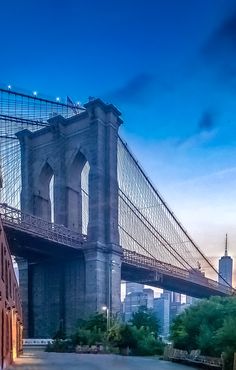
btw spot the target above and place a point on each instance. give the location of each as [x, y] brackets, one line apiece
[39, 360]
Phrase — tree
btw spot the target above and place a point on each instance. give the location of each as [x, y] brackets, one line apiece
[145, 318]
[209, 326]
[226, 339]
[123, 336]
[97, 321]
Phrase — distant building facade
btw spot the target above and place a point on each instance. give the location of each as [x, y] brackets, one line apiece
[162, 311]
[10, 305]
[134, 287]
[136, 299]
[226, 267]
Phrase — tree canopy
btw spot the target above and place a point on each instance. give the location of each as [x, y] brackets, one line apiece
[209, 326]
[145, 318]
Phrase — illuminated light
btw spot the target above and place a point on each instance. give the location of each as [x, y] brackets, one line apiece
[57, 99]
[78, 103]
[9, 87]
[35, 93]
[104, 308]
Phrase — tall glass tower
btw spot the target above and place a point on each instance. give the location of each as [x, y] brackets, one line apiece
[226, 267]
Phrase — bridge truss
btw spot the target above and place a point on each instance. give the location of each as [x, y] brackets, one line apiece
[149, 231]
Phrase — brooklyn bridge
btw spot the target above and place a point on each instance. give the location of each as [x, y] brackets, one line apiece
[80, 214]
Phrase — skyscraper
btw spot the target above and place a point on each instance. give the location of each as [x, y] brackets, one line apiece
[162, 312]
[226, 266]
[133, 287]
[136, 299]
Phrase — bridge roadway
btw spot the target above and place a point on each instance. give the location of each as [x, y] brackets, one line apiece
[38, 360]
[30, 235]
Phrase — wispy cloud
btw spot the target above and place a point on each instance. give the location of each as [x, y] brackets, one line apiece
[219, 51]
[215, 175]
[207, 121]
[138, 89]
[223, 39]
[204, 132]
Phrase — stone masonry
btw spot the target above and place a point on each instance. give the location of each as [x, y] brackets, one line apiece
[62, 289]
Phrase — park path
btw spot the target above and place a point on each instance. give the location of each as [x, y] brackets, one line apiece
[39, 360]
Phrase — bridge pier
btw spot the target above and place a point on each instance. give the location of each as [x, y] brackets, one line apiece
[73, 153]
[53, 296]
[56, 293]
[103, 276]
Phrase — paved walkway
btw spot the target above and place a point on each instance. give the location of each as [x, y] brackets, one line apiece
[70, 361]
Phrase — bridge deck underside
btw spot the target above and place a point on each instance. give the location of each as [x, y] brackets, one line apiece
[34, 248]
[162, 280]
[135, 267]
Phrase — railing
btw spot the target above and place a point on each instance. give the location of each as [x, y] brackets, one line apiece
[17, 219]
[193, 358]
[197, 277]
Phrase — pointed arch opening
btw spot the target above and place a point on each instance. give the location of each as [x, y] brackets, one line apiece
[44, 197]
[78, 194]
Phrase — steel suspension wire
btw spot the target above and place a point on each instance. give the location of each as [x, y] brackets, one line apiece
[19, 111]
[146, 223]
[158, 237]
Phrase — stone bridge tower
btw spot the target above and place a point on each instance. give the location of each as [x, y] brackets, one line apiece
[56, 161]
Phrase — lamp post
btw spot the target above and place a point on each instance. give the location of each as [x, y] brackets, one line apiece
[111, 269]
[108, 308]
[105, 308]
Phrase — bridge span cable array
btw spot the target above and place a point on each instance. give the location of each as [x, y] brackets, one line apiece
[148, 226]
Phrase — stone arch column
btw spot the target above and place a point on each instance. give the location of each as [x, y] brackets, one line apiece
[66, 144]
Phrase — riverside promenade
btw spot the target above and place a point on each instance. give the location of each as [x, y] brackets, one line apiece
[39, 360]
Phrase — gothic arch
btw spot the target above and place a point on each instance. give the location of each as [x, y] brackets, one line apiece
[43, 205]
[78, 193]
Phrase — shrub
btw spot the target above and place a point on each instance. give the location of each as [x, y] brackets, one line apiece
[60, 345]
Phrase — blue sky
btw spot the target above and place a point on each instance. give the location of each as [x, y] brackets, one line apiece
[169, 65]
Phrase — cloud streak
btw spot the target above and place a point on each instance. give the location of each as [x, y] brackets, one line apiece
[207, 122]
[223, 38]
[140, 89]
[205, 131]
[219, 51]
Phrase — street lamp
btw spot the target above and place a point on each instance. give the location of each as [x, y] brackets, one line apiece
[111, 269]
[105, 308]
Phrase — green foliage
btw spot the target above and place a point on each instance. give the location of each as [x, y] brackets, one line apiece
[145, 318]
[60, 334]
[209, 326]
[149, 346]
[226, 338]
[122, 336]
[60, 345]
[97, 321]
[139, 336]
[139, 340]
[81, 336]
[91, 331]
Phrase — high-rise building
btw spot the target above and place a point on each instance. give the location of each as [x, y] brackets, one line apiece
[136, 299]
[162, 311]
[134, 287]
[176, 297]
[191, 300]
[226, 267]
